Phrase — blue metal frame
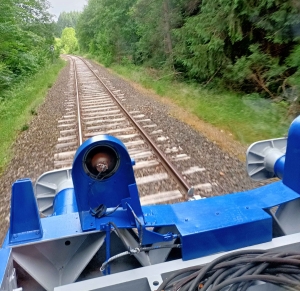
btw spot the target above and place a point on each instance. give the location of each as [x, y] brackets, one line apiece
[205, 226]
[291, 177]
[65, 202]
[4, 261]
[222, 223]
[25, 224]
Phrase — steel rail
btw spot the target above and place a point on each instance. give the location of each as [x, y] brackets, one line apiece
[163, 159]
[78, 104]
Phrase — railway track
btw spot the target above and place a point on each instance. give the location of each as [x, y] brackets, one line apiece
[93, 107]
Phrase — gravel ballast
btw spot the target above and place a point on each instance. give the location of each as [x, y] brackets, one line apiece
[33, 151]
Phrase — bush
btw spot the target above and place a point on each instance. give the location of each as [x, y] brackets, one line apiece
[6, 77]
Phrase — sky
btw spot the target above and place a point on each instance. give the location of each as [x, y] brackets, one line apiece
[59, 6]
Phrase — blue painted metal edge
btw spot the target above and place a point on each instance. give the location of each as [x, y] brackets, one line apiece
[25, 223]
[4, 260]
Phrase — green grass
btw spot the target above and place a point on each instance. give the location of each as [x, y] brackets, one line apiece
[20, 106]
[248, 117]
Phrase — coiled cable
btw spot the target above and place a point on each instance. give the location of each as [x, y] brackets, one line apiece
[237, 271]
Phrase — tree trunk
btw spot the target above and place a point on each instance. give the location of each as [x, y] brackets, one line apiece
[260, 81]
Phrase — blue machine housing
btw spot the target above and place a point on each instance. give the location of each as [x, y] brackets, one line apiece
[204, 227]
[120, 188]
[222, 223]
[291, 174]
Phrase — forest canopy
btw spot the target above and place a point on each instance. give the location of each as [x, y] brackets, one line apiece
[247, 46]
[66, 19]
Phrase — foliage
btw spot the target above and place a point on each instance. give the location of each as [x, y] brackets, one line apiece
[6, 76]
[294, 58]
[26, 33]
[150, 46]
[105, 29]
[244, 42]
[87, 26]
[57, 45]
[249, 46]
[291, 89]
[257, 68]
[66, 19]
[68, 41]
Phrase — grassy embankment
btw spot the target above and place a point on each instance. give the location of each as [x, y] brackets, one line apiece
[20, 106]
[248, 117]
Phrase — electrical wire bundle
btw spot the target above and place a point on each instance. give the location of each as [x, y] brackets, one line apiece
[237, 271]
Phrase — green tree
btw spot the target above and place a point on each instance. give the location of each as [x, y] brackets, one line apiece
[26, 33]
[66, 19]
[87, 26]
[244, 42]
[155, 22]
[106, 29]
[69, 43]
[244, 45]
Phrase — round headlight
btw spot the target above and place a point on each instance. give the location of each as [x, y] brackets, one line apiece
[101, 162]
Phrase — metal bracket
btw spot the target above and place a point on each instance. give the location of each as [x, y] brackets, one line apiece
[262, 156]
[48, 185]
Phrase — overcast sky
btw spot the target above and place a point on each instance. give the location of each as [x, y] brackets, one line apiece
[59, 6]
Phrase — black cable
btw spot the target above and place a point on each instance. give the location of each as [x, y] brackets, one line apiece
[187, 286]
[212, 278]
[90, 189]
[244, 285]
[98, 211]
[180, 272]
[256, 271]
[244, 270]
[180, 283]
[283, 270]
[259, 269]
[232, 271]
[111, 212]
[176, 274]
[253, 271]
[287, 276]
[292, 262]
[172, 284]
[270, 260]
[238, 271]
[139, 222]
[209, 266]
[296, 277]
[146, 249]
[265, 278]
[119, 235]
